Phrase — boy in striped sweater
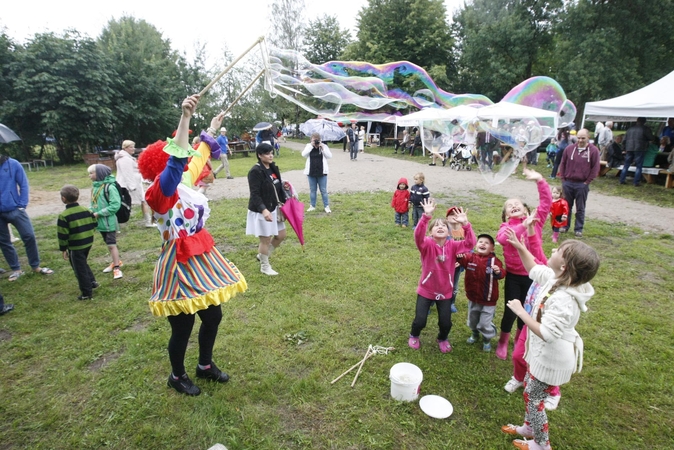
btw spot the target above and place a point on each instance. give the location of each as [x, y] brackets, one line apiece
[75, 229]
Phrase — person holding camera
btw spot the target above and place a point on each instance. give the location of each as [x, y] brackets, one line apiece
[316, 170]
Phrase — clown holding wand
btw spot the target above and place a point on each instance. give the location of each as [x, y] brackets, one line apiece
[191, 276]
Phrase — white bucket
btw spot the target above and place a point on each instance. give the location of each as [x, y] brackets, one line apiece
[406, 381]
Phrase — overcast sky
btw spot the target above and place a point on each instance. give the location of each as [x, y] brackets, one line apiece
[234, 24]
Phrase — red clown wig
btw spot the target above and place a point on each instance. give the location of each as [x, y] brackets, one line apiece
[152, 160]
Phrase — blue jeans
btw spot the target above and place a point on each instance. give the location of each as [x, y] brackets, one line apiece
[638, 158]
[417, 211]
[576, 192]
[354, 150]
[402, 218]
[322, 183]
[19, 218]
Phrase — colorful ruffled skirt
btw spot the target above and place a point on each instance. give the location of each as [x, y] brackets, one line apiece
[203, 280]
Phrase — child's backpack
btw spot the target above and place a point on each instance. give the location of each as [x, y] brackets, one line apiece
[124, 212]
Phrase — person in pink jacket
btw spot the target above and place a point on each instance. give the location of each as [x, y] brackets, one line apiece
[517, 281]
[438, 260]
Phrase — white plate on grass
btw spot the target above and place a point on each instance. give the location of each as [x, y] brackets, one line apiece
[436, 406]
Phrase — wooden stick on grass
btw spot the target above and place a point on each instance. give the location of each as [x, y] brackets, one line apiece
[367, 355]
[350, 369]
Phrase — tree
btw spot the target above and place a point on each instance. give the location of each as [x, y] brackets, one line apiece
[62, 87]
[604, 48]
[287, 17]
[148, 80]
[500, 42]
[324, 41]
[422, 36]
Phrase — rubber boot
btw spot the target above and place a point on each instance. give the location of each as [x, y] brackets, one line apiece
[502, 347]
[265, 267]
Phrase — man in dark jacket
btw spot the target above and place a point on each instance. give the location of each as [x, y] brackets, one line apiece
[579, 166]
[636, 143]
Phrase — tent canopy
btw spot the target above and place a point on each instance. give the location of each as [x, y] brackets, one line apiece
[653, 101]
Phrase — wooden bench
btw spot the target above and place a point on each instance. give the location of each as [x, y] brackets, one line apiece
[650, 173]
[239, 147]
[669, 181]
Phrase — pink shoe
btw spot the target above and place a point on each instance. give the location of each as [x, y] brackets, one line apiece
[502, 347]
[414, 343]
[445, 346]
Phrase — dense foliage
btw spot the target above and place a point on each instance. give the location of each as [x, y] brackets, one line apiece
[83, 94]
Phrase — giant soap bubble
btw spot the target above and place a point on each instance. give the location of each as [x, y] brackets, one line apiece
[359, 91]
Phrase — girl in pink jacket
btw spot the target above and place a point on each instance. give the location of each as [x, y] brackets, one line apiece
[517, 281]
[438, 260]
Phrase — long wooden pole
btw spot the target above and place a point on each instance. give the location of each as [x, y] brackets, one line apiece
[228, 68]
[244, 91]
[368, 353]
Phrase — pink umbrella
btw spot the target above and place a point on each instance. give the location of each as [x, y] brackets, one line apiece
[293, 209]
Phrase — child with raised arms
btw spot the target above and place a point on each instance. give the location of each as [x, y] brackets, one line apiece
[517, 282]
[438, 260]
[554, 350]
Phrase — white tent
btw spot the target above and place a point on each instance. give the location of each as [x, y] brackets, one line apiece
[655, 101]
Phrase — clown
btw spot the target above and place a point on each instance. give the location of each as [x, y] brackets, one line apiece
[191, 276]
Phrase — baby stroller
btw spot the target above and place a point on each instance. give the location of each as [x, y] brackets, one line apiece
[461, 158]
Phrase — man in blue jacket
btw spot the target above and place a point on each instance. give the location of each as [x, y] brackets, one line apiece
[13, 202]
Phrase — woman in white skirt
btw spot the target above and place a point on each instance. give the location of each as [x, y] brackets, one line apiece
[266, 197]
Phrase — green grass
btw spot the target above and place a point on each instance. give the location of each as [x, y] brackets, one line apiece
[93, 374]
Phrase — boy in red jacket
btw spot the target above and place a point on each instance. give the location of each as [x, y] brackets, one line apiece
[401, 203]
[483, 270]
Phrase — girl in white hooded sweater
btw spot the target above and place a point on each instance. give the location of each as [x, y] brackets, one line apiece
[554, 350]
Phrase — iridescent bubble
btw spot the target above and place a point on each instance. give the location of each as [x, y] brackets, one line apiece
[344, 91]
[347, 91]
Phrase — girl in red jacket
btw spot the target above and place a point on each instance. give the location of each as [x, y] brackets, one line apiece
[438, 260]
[559, 213]
[401, 203]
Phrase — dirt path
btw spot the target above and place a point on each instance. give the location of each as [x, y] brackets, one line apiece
[374, 173]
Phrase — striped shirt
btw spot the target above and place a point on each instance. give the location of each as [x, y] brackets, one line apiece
[75, 228]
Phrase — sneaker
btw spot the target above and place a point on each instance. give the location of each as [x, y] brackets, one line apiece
[454, 310]
[117, 274]
[404, 226]
[112, 266]
[230, 177]
[414, 342]
[431, 164]
[95, 285]
[311, 208]
[512, 385]
[445, 346]
[183, 385]
[473, 338]
[551, 402]
[6, 308]
[84, 297]
[524, 430]
[579, 234]
[444, 161]
[328, 210]
[213, 374]
[486, 346]
[150, 225]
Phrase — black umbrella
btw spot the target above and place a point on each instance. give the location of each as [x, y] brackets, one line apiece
[7, 135]
[262, 126]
